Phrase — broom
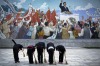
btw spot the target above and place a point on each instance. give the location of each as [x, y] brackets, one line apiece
[45, 57]
[65, 58]
[23, 54]
[54, 58]
[35, 59]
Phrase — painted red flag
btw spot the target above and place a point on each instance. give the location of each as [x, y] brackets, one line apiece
[37, 16]
[33, 18]
[48, 15]
[53, 18]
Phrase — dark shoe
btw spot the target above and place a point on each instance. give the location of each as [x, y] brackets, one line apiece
[60, 62]
[30, 63]
[66, 62]
[18, 61]
[15, 61]
[41, 63]
[50, 63]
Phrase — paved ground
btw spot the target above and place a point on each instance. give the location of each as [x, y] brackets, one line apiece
[75, 57]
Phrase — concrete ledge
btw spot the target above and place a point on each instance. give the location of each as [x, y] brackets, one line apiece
[7, 43]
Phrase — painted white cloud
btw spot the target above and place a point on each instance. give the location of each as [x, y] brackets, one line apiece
[19, 4]
[88, 6]
[43, 6]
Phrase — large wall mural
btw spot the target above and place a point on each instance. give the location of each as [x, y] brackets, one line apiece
[44, 19]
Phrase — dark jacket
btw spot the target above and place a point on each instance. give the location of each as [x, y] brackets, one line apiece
[94, 33]
[60, 48]
[30, 49]
[63, 8]
[50, 45]
[17, 47]
[40, 46]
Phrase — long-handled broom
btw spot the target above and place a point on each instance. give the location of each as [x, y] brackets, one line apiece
[65, 58]
[44, 57]
[54, 58]
[35, 59]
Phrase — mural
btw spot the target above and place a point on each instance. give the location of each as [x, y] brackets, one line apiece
[43, 19]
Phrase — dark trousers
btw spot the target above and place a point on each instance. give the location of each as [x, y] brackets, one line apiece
[15, 53]
[40, 57]
[51, 53]
[59, 36]
[95, 36]
[30, 57]
[61, 55]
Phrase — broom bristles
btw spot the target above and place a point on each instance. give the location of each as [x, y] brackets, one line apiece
[35, 61]
[23, 54]
[66, 62]
[45, 60]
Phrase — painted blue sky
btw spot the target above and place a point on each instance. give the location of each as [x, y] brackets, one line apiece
[84, 8]
[54, 4]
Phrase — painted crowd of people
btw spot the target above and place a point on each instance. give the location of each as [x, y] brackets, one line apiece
[85, 29]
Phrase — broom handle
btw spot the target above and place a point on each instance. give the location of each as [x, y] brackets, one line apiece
[44, 54]
[23, 54]
[34, 57]
[54, 57]
[65, 56]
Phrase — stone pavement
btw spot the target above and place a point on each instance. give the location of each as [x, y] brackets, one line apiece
[75, 57]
